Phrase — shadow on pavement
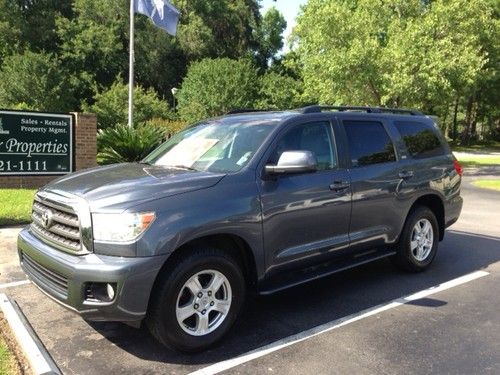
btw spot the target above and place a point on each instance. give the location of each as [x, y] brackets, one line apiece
[487, 170]
[267, 319]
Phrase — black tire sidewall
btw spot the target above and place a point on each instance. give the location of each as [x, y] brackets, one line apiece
[169, 328]
[405, 248]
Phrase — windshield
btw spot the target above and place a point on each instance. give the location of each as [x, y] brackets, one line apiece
[215, 146]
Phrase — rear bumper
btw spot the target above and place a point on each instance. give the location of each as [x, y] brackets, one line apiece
[64, 277]
[453, 208]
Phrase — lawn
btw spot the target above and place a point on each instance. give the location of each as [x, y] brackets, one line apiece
[480, 147]
[481, 160]
[488, 184]
[8, 364]
[16, 206]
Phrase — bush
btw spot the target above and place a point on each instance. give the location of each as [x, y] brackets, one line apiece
[111, 106]
[34, 81]
[212, 87]
[124, 144]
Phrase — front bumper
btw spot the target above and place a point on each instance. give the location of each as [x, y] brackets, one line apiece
[64, 277]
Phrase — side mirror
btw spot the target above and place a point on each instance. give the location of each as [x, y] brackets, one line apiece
[294, 162]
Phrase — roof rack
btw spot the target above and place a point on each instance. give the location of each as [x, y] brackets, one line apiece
[321, 108]
[245, 110]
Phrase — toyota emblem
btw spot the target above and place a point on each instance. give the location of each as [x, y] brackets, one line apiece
[47, 218]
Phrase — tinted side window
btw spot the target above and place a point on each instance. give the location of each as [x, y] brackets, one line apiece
[420, 139]
[369, 143]
[315, 137]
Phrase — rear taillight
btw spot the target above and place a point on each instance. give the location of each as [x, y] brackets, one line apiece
[458, 167]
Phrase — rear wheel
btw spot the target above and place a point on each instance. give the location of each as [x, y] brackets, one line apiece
[198, 300]
[419, 240]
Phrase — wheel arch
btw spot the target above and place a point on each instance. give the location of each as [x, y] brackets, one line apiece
[436, 205]
[233, 244]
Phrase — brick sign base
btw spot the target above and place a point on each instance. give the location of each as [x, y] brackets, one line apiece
[85, 147]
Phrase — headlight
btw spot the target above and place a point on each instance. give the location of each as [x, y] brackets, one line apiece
[120, 227]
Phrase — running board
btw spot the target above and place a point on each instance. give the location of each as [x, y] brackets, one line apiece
[293, 278]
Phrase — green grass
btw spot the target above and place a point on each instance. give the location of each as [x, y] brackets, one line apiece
[488, 184]
[7, 360]
[16, 206]
[486, 147]
[472, 160]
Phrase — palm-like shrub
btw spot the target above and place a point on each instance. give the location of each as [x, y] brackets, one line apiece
[125, 144]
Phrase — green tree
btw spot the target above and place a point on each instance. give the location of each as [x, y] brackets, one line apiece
[396, 53]
[215, 86]
[111, 109]
[269, 36]
[35, 81]
[94, 41]
[93, 44]
[279, 92]
[160, 62]
[217, 28]
[38, 22]
[10, 29]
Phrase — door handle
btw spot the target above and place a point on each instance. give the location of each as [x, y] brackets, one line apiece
[339, 185]
[405, 174]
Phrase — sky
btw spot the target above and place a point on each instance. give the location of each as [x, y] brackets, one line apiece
[289, 9]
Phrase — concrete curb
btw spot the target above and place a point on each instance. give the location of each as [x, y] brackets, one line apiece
[37, 355]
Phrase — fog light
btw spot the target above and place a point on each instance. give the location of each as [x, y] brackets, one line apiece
[100, 292]
[111, 291]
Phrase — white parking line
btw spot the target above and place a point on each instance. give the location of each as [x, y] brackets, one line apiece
[14, 283]
[294, 339]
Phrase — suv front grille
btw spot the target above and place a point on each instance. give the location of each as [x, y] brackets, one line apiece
[56, 225]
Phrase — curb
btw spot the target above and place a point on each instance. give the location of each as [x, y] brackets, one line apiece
[37, 355]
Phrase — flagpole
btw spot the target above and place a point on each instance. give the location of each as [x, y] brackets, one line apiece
[131, 67]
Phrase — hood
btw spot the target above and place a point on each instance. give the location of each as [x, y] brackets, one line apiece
[121, 186]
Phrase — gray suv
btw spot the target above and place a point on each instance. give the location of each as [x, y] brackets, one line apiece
[249, 201]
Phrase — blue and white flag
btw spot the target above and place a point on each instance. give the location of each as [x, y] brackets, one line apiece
[162, 13]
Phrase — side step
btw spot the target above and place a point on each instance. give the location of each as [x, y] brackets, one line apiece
[290, 279]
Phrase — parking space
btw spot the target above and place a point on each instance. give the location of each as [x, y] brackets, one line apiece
[453, 331]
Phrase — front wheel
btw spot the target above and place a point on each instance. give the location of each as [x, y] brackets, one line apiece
[419, 240]
[198, 300]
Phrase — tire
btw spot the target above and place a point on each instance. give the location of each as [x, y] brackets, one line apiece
[213, 309]
[415, 252]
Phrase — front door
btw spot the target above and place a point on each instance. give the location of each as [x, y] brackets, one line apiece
[305, 216]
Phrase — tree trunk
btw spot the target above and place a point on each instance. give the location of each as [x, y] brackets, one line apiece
[455, 124]
[445, 126]
[467, 133]
[375, 92]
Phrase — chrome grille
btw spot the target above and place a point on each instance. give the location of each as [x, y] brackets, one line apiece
[49, 278]
[56, 225]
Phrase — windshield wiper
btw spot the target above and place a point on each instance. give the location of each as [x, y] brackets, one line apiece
[181, 167]
[144, 162]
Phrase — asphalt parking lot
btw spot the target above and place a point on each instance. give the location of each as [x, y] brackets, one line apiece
[455, 329]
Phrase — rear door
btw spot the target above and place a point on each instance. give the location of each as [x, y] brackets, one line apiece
[375, 182]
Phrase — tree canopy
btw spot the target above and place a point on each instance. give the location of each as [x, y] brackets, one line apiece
[440, 56]
[425, 54]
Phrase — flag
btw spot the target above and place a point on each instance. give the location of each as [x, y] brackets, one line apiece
[162, 13]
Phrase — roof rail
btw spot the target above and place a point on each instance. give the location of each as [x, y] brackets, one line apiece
[244, 110]
[321, 108]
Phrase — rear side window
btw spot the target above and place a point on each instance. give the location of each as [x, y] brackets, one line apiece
[369, 143]
[420, 139]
